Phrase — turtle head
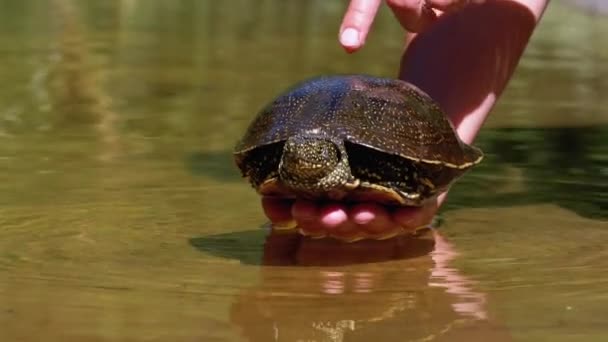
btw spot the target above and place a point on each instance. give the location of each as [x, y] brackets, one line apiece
[312, 163]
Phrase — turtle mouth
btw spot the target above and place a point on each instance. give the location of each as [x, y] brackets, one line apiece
[309, 167]
[309, 157]
[305, 171]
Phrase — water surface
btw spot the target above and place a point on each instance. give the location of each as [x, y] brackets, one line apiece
[122, 217]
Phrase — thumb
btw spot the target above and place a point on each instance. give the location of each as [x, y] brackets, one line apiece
[413, 15]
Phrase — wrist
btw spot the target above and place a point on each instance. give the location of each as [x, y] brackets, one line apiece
[465, 60]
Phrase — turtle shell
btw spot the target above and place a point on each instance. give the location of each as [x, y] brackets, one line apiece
[401, 147]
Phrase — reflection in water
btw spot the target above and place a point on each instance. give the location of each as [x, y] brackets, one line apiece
[351, 295]
[563, 165]
[73, 90]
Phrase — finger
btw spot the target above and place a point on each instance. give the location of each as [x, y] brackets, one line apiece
[305, 212]
[413, 15]
[357, 22]
[334, 215]
[372, 218]
[278, 211]
[307, 217]
[336, 220]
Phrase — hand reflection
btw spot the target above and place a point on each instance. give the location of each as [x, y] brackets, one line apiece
[362, 290]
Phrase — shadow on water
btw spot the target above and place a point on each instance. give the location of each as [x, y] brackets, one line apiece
[244, 246]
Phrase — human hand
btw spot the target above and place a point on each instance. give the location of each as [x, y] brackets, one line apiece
[466, 84]
[351, 222]
[347, 222]
[413, 15]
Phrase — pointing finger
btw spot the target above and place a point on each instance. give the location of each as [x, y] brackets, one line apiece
[357, 22]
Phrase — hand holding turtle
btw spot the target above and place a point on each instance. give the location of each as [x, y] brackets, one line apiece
[368, 141]
[464, 71]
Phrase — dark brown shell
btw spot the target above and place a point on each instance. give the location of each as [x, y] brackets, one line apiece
[387, 115]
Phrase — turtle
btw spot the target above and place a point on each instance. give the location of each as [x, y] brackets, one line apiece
[353, 138]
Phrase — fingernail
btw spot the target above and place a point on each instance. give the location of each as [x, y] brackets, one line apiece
[350, 37]
[364, 217]
[334, 218]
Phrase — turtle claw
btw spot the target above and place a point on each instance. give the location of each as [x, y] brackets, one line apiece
[388, 235]
[345, 238]
[361, 235]
[350, 239]
[312, 235]
[284, 226]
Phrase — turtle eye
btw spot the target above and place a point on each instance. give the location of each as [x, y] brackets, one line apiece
[332, 152]
[329, 151]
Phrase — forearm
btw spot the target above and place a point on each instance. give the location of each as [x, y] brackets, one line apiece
[465, 59]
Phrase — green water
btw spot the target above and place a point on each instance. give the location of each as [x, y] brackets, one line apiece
[122, 217]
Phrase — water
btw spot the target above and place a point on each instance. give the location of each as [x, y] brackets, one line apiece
[122, 217]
